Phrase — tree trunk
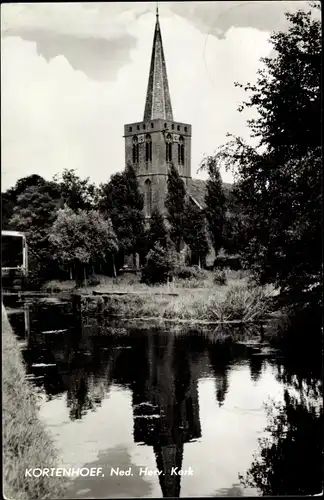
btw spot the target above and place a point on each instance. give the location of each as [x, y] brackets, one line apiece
[85, 275]
[114, 266]
[71, 273]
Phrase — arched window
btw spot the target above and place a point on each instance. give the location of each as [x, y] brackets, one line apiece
[148, 198]
[168, 148]
[135, 150]
[181, 151]
[148, 148]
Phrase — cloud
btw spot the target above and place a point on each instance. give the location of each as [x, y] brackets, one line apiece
[98, 58]
[216, 18]
[97, 45]
[69, 87]
[96, 37]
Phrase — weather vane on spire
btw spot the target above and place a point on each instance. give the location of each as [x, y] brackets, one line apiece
[157, 10]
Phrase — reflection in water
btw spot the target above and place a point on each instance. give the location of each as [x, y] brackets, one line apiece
[165, 406]
[256, 364]
[83, 359]
[290, 456]
[220, 361]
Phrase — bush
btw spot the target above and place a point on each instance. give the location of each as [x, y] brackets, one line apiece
[220, 277]
[185, 272]
[160, 265]
[242, 303]
[93, 280]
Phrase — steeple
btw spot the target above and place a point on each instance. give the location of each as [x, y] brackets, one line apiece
[168, 457]
[156, 141]
[158, 101]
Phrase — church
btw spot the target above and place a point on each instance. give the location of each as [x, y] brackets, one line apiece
[152, 144]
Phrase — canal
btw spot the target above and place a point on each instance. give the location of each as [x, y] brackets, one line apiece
[237, 418]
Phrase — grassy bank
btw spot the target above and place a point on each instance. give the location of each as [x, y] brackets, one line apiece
[236, 303]
[205, 298]
[26, 444]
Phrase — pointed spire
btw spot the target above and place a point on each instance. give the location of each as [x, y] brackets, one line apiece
[168, 457]
[158, 101]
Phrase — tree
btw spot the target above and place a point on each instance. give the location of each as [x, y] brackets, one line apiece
[82, 238]
[215, 202]
[287, 94]
[77, 193]
[175, 203]
[157, 232]
[194, 231]
[160, 265]
[33, 214]
[278, 182]
[9, 198]
[123, 203]
[7, 207]
[26, 182]
[234, 224]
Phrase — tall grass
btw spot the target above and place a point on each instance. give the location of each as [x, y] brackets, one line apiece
[236, 303]
[26, 443]
[241, 303]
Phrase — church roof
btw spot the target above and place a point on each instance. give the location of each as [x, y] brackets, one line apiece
[197, 190]
[158, 101]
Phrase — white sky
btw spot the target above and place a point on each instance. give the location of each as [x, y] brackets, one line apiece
[73, 74]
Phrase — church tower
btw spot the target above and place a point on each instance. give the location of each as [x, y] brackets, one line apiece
[157, 141]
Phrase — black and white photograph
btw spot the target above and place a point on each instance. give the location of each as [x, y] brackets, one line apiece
[161, 249]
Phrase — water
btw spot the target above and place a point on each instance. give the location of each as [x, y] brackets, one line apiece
[245, 420]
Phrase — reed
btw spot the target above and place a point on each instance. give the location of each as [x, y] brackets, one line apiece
[242, 303]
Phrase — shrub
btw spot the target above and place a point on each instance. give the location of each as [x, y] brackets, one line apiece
[93, 280]
[160, 265]
[185, 272]
[220, 277]
[242, 303]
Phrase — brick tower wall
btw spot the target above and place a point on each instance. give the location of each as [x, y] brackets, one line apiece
[157, 170]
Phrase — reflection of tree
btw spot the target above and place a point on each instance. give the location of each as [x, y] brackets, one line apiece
[220, 358]
[85, 393]
[290, 459]
[77, 396]
[85, 360]
[88, 381]
[256, 364]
